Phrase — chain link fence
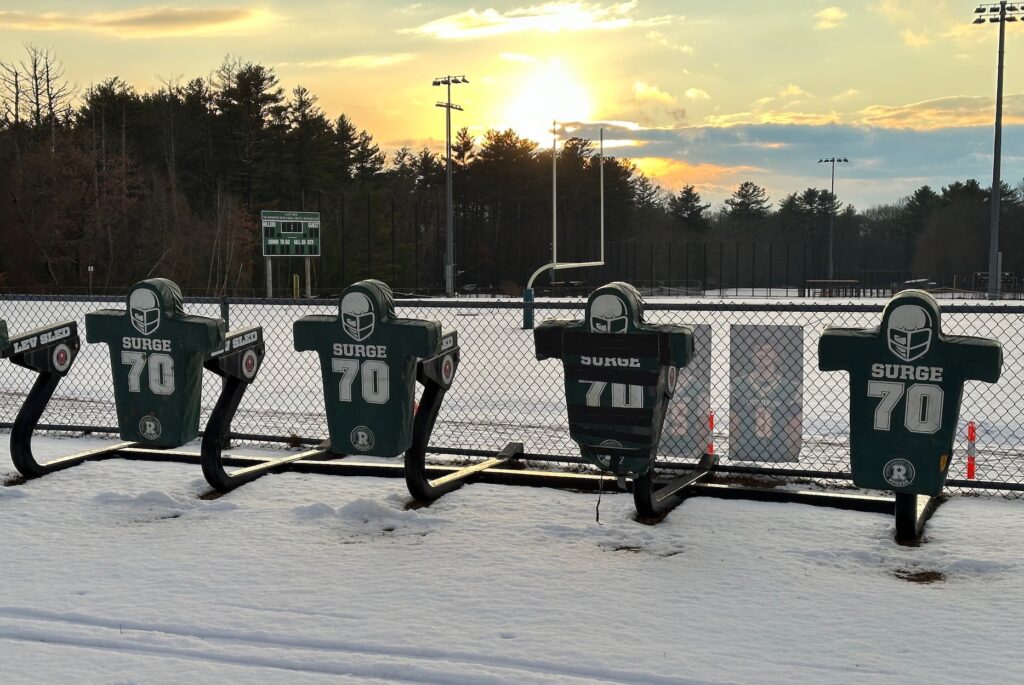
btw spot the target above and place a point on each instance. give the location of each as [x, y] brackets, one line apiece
[755, 377]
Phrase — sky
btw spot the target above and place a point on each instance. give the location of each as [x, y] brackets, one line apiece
[702, 93]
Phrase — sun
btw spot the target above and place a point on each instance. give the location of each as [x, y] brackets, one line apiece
[549, 92]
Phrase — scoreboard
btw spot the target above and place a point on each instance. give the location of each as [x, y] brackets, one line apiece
[291, 234]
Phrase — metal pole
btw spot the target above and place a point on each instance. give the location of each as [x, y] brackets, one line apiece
[554, 198]
[601, 174]
[832, 219]
[449, 266]
[341, 240]
[270, 278]
[394, 247]
[994, 275]
[309, 282]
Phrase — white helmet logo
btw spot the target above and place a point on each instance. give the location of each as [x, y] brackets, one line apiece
[144, 311]
[357, 317]
[909, 332]
[608, 315]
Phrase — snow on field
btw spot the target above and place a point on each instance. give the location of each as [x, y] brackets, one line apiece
[117, 572]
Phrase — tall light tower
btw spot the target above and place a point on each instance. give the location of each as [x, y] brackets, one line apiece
[832, 211]
[996, 14]
[449, 256]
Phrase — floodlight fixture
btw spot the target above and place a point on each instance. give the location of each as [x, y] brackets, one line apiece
[1002, 14]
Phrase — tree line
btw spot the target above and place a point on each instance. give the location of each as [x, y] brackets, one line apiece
[171, 182]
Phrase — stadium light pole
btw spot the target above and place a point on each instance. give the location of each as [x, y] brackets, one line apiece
[997, 14]
[832, 211]
[448, 105]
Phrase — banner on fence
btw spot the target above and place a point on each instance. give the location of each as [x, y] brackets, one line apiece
[766, 387]
[687, 431]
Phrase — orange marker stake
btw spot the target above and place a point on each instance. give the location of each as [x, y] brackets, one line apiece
[711, 427]
[972, 436]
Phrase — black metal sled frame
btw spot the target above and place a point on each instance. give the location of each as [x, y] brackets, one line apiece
[912, 513]
[50, 352]
[652, 502]
[238, 364]
[436, 375]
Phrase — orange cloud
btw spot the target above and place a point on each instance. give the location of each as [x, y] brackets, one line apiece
[948, 112]
[775, 117]
[674, 173]
[147, 22]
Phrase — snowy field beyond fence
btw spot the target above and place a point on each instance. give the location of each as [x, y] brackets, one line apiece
[502, 393]
[116, 572]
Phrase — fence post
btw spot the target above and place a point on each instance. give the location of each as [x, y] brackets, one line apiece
[225, 313]
[704, 284]
[669, 280]
[527, 309]
[653, 278]
[803, 271]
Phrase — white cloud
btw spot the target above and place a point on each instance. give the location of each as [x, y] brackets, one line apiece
[551, 17]
[915, 40]
[654, 103]
[794, 91]
[645, 91]
[697, 94]
[662, 40]
[354, 61]
[829, 18]
[519, 57]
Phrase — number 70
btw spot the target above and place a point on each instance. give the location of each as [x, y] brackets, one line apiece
[923, 407]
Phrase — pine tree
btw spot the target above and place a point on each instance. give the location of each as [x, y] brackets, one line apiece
[686, 208]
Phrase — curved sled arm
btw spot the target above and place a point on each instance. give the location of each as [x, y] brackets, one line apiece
[237, 363]
[50, 352]
[436, 374]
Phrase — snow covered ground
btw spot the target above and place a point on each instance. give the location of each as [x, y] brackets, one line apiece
[117, 572]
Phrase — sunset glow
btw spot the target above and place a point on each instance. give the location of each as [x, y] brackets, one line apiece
[716, 96]
[549, 92]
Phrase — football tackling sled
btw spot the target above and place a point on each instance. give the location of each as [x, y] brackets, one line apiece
[50, 351]
[157, 354]
[620, 374]
[906, 385]
[370, 361]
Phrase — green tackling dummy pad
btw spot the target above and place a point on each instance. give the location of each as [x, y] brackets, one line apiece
[368, 363]
[156, 357]
[906, 383]
[619, 375]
